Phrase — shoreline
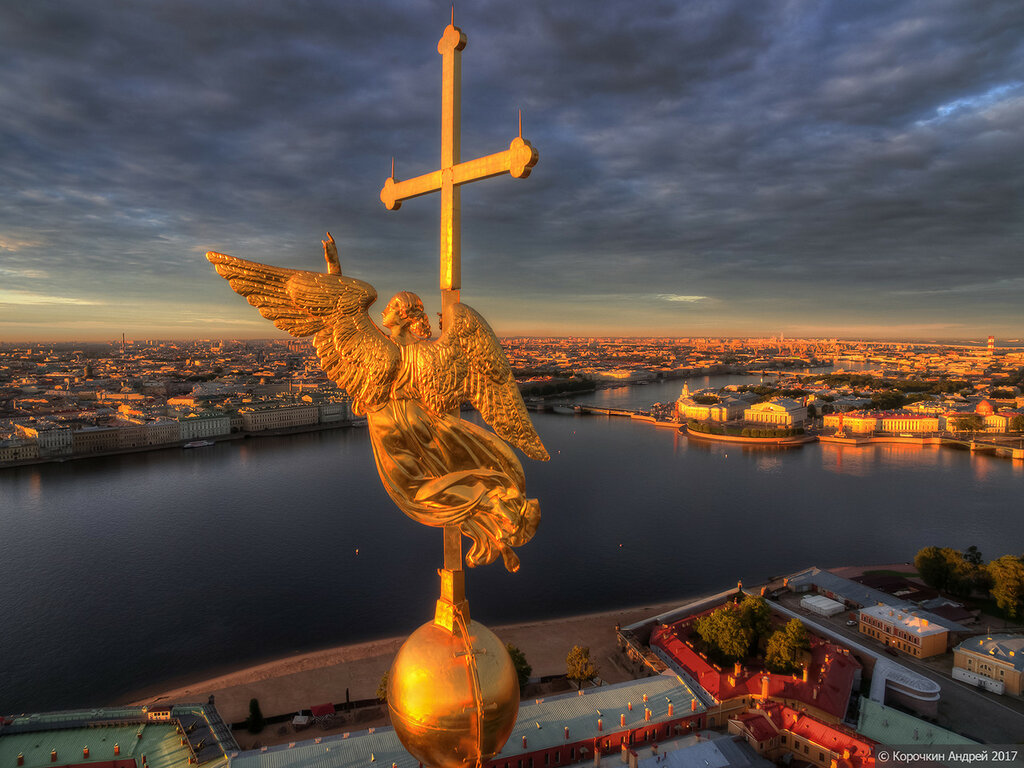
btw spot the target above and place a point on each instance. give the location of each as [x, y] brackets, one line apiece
[288, 684]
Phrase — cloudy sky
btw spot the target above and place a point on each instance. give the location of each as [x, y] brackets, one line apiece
[728, 167]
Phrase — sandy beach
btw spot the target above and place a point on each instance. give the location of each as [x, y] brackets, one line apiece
[298, 682]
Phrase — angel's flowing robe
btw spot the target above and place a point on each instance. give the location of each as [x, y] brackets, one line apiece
[442, 470]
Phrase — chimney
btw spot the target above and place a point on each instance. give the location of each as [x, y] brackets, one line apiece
[622, 719]
[567, 733]
[53, 755]
[647, 715]
[805, 673]
[737, 669]
[21, 758]
[600, 724]
[765, 681]
[524, 742]
[85, 751]
[117, 749]
[670, 709]
[693, 705]
[645, 698]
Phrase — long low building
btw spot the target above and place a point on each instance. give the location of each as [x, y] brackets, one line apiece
[559, 730]
[903, 630]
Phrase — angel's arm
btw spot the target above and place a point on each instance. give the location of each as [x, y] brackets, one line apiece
[333, 309]
[331, 255]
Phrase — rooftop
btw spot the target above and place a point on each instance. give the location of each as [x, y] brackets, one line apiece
[908, 621]
[1009, 649]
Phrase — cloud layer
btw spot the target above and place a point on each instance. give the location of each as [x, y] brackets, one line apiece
[741, 165]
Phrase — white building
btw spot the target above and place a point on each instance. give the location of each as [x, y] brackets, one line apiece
[780, 412]
[199, 426]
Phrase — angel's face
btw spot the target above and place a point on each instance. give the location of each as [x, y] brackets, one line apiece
[392, 316]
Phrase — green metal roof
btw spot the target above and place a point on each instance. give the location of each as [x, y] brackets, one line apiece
[159, 743]
[890, 726]
[579, 713]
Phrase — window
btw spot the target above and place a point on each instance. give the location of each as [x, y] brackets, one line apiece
[572, 754]
[558, 757]
[547, 759]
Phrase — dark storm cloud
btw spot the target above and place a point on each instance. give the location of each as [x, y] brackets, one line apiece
[857, 155]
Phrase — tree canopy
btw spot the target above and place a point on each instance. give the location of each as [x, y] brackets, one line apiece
[1007, 574]
[523, 668]
[786, 647]
[959, 573]
[578, 665]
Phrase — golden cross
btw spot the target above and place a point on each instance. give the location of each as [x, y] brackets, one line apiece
[517, 161]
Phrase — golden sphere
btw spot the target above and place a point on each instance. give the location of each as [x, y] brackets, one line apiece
[453, 701]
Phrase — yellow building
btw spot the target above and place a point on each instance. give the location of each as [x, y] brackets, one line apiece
[279, 417]
[908, 423]
[995, 662]
[779, 412]
[903, 631]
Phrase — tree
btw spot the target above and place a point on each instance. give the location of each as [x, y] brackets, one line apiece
[724, 632]
[959, 573]
[969, 422]
[1017, 424]
[1008, 584]
[523, 668]
[382, 687]
[255, 722]
[932, 567]
[786, 647]
[579, 668]
[756, 616]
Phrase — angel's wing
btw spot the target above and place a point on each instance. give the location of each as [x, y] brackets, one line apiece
[467, 363]
[333, 309]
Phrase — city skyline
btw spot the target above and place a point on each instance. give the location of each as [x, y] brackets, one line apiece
[722, 170]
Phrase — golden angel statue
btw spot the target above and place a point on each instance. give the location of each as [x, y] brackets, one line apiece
[440, 469]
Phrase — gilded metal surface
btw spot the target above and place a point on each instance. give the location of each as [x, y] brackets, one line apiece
[516, 161]
[438, 468]
[453, 697]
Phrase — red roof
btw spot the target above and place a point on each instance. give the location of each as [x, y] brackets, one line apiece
[835, 738]
[322, 709]
[759, 725]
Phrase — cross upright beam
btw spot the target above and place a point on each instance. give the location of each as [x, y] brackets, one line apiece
[517, 161]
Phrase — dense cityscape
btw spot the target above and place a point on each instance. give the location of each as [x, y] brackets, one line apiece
[64, 400]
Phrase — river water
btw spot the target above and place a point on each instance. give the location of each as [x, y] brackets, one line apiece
[122, 572]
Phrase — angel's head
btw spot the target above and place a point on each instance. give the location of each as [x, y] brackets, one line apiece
[406, 310]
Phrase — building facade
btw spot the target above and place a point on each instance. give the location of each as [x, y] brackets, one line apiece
[780, 412]
[903, 631]
[995, 662]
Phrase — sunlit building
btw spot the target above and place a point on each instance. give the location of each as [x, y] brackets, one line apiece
[904, 630]
[779, 412]
[994, 662]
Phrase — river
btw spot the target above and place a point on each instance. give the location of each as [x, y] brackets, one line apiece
[127, 571]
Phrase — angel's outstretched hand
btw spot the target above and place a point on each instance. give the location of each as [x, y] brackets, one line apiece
[331, 255]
